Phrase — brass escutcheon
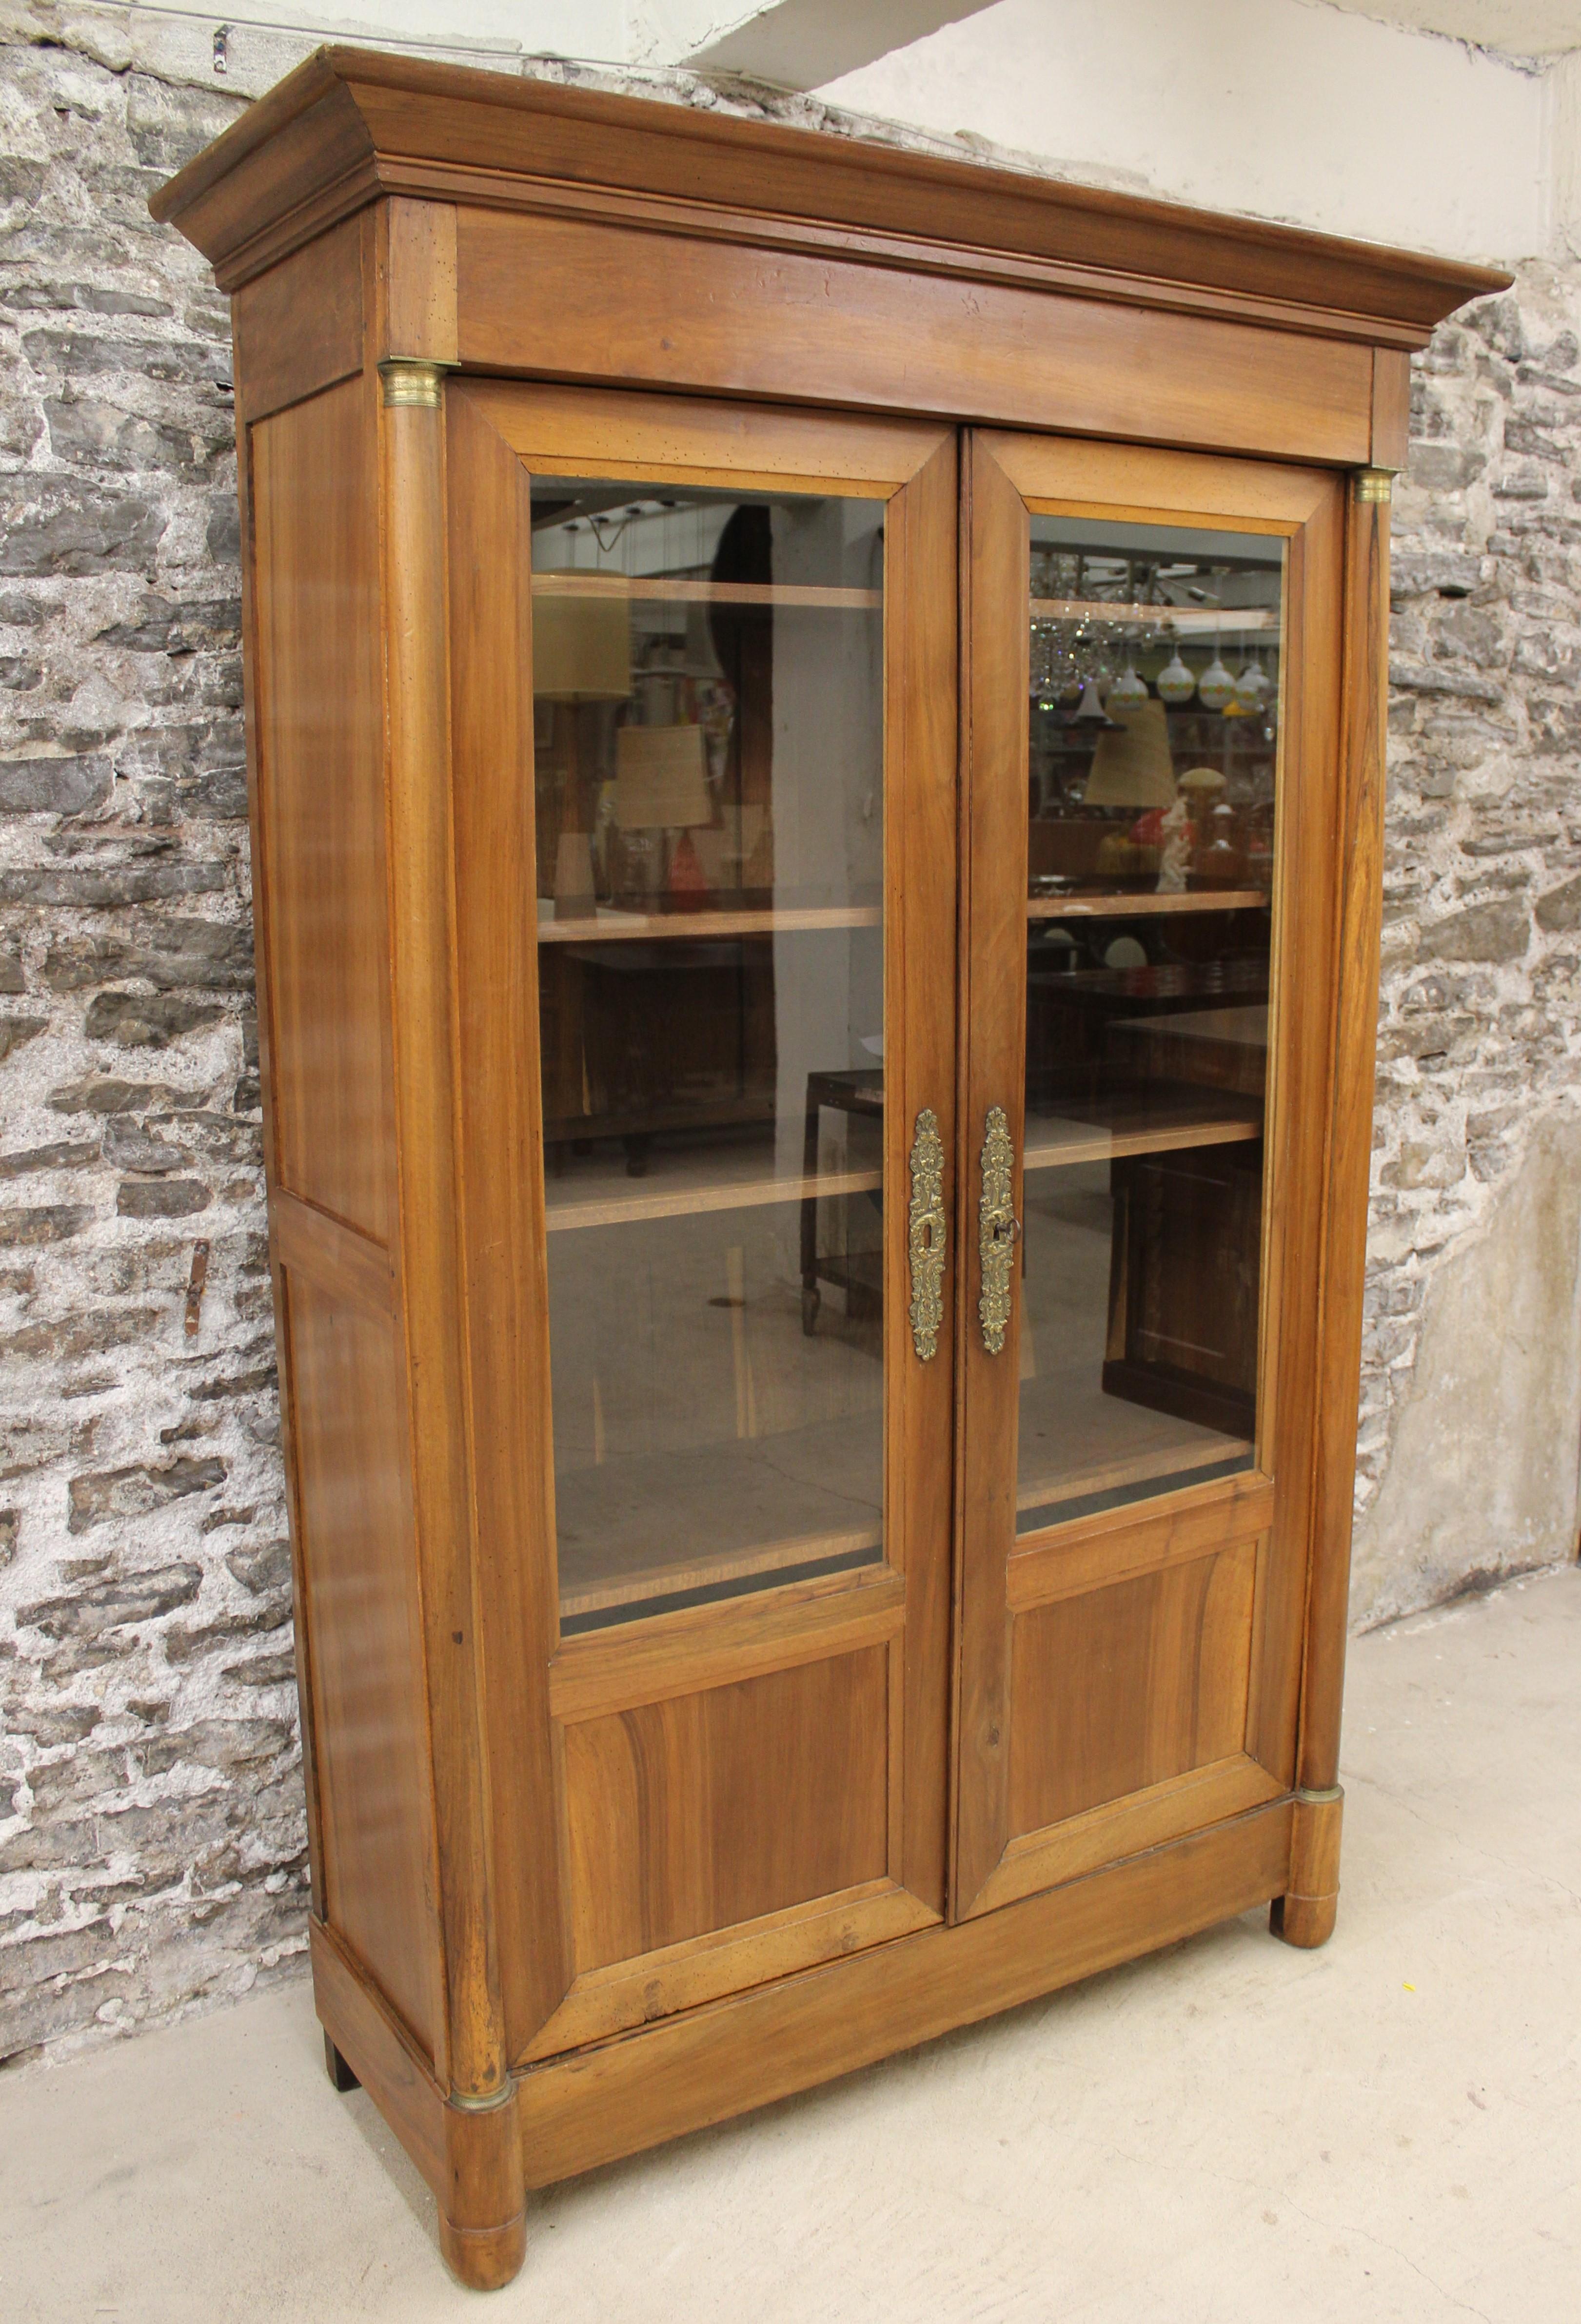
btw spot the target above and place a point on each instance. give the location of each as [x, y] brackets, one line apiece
[927, 1236]
[998, 1229]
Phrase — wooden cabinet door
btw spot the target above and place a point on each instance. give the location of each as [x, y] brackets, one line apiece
[703, 670]
[1153, 696]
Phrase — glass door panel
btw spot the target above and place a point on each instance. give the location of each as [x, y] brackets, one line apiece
[1155, 662]
[709, 705]
[1152, 681]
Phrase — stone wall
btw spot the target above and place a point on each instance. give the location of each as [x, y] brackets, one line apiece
[152, 1839]
[1471, 1399]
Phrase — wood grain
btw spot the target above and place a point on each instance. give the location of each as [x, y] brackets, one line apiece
[320, 776]
[683, 2073]
[609, 2001]
[706, 1810]
[649, 1661]
[1391, 408]
[488, 552]
[1149, 1818]
[352, 1269]
[350, 120]
[561, 431]
[1348, 1144]
[432, 1253]
[299, 329]
[369, 1717]
[995, 536]
[419, 281]
[710, 317]
[1119, 1688]
[1090, 1552]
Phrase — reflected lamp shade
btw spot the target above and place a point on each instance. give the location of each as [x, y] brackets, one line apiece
[581, 637]
[660, 781]
[1131, 766]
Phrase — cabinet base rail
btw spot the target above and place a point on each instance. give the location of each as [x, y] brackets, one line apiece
[594, 2105]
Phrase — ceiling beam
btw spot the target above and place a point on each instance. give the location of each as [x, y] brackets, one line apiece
[802, 44]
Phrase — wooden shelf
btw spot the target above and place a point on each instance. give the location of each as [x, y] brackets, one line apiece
[600, 1193]
[803, 1497]
[1111, 1471]
[613, 926]
[1190, 621]
[1153, 1118]
[644, 588]
[1142, 905]
[668, 1581]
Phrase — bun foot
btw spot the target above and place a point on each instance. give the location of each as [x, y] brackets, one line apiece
[484, 2259]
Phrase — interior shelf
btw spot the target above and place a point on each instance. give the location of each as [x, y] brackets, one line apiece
[1153, 1118]
[1191, 621]
[800, 1496]
[1142, 905]
[644, 589]
[610, 925]
[599, 1193]
[1112, 1469]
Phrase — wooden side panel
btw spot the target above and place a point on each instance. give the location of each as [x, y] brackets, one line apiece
[321, 805]
[1119, 1689]
[709, 1810]
[299, 329]
[355, 1507]
[535, 295]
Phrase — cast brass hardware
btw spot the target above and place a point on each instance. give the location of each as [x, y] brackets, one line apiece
[998, 1229]
[1374, 484]
[411, 386]
[928, 1233]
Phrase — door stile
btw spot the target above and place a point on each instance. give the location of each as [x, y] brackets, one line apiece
[921, 661]
[993, 882]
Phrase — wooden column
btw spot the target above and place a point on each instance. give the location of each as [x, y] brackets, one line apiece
[1305, 1915]
[481, 2202]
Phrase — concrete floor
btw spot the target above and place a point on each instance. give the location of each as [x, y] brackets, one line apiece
[1388, 2128]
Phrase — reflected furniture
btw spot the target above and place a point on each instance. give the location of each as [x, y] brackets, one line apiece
[815, 724]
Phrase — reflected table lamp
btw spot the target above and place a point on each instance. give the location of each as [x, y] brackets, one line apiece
[581, 653]
[660, 786]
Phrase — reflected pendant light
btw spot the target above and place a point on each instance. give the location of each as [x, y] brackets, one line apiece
[1215, 687]
[1251, 688]
[1175, 681]
[1128, 690]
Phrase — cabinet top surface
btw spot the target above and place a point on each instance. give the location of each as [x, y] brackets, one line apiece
[351, 124]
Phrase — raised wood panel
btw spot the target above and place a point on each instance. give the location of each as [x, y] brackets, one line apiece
[299, 329]
[534, 296]
[321, 804]
[1124, 1687]
[367, 1658]
[707, 1810]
